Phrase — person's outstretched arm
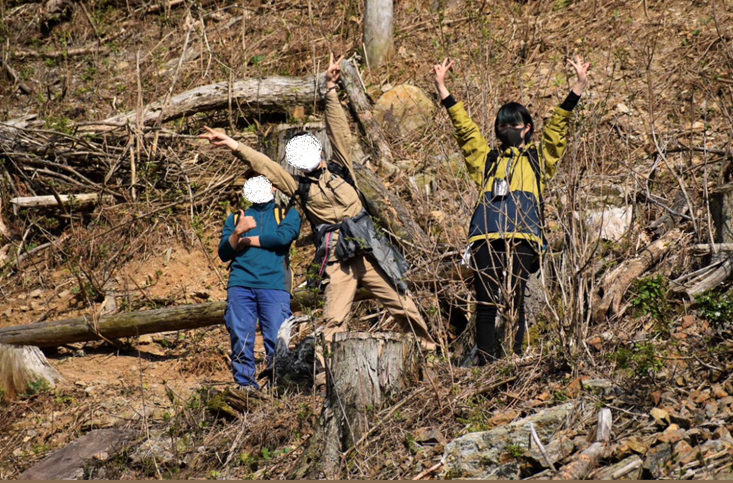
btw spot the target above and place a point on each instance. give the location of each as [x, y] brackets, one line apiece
[472, 143]
[337, 127]
[259, 162]
[555, 134]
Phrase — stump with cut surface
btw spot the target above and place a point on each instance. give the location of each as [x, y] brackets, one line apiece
[364, 372]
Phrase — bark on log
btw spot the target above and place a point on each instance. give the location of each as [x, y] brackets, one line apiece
[68, 462]
[23, 365]
[50, 200]
[378, 31]
[707, 248]
[365, 370]
[580, 468]
[362, 108]
[270, 92]
[131, 324]
[609, 293]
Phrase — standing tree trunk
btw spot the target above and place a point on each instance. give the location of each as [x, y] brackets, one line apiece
[721, 267]
[365, 371]
[378, 42]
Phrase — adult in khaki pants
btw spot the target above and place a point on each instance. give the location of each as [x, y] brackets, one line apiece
[331, 200]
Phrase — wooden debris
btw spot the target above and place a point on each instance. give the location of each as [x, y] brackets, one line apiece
[608, 295]
[362, 108]
[588, 459]
[68, 462]
[50, 200]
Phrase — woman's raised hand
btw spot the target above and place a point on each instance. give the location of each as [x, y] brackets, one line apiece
[440, 70]
[333, 73]
[581, 70]
[219, 138]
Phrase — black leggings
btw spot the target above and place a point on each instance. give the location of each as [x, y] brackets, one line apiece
[491, 262]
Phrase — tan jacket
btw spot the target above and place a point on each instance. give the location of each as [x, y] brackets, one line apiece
[331, 199]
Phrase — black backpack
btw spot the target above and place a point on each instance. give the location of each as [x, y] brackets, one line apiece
[304, 187]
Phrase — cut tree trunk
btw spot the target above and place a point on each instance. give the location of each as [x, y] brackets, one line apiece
[22, 366]
[68, 462]
[131, 324]
[362, 108]
[378, 31]
[270, 92]
[580, 467]
[608, 295]
[50, 200]
[364, 372]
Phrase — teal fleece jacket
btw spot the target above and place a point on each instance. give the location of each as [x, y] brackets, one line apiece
[261, 267]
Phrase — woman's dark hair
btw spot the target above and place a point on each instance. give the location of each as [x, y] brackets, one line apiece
[512, 114]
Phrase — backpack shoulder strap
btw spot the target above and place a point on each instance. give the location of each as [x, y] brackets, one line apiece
[492, 163]
[279, 214]
[534, 161]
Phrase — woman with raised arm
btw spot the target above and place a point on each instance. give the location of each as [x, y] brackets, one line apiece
[505, 233]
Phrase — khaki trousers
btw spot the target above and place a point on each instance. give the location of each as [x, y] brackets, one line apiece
[343, 280]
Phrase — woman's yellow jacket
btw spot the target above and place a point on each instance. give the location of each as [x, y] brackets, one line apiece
[516, 215]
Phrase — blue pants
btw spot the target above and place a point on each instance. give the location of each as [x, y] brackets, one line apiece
[244, 307]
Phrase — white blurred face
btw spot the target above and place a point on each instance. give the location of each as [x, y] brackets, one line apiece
[258, 190]
[303, 152]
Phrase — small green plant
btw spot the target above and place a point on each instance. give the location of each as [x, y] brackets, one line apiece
[715, 307]
[641, 361]
[651, 297]
[515, 450]
[38, 386]
[562, 4]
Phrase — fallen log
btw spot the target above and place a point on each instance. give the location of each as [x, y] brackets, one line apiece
[377, 141]
[365, 369]
[710, 248]
[131, 324]
[608, 295]
[588, 459]
[50, 200]
[68, 462]
[270, 92]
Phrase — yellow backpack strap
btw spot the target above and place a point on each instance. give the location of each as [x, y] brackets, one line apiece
[279, 214]
[236, 219]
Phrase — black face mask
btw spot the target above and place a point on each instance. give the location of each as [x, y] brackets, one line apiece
[511, 136]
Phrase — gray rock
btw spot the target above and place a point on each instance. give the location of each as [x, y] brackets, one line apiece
[656, 460]
[488, 454]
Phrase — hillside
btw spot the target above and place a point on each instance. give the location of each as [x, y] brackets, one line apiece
[618, 317]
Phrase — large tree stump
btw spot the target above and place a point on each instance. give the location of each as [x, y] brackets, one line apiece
[23, 366]
[364, 372]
